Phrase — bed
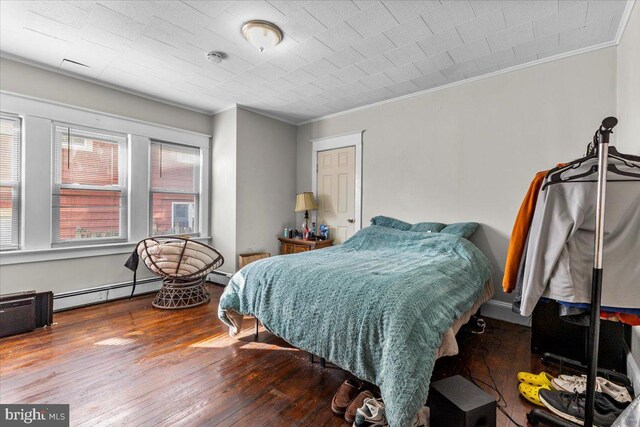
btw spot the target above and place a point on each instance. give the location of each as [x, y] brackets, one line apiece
[384, 306]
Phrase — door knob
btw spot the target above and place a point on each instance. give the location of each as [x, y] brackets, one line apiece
[351, 220]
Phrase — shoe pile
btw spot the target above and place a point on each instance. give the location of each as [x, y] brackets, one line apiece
[359, 407]
[565, 396]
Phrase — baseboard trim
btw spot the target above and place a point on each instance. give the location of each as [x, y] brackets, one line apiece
[502, 311]
[101, 294]
[633, 370]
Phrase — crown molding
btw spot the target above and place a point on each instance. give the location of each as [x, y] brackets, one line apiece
[619, 34]
[222, 110]
[255, 111]
[466, 81]
[624, 20]
[102, 113]
[266, 114]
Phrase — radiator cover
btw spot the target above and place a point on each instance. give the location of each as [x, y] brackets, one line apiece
[17, 316]
[25, 311]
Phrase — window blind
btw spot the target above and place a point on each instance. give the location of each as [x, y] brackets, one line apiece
[9, 182]
[90, 185]
[175, 189]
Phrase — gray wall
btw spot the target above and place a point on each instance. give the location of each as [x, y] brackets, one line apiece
[628, 131]
[629, 111]
[223, 175]
[254, 183]
[468, 153]
[266, 182]
[67, 275]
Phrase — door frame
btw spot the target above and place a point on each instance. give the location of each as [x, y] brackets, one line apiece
[331, 143]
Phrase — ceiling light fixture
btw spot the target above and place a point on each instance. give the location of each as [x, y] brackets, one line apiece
[262, 34]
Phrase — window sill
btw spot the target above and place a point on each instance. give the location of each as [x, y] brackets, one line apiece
[71, 252]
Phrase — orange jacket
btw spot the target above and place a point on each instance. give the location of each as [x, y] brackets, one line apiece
[520, 232]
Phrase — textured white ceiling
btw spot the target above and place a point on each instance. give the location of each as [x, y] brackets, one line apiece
[336, 55]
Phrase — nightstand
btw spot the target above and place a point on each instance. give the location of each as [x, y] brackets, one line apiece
[294, 246]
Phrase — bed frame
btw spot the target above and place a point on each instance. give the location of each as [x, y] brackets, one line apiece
[323, 362]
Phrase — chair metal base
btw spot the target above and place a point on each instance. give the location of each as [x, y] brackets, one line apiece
[175, 294]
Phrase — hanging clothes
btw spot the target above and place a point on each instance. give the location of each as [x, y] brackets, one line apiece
[517, 292]
[520, 232]
[629, 319]
[559, 256]
[580, 314]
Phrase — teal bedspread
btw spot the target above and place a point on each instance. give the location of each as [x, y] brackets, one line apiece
[377, 305]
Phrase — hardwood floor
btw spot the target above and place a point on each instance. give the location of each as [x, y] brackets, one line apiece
[126, 363]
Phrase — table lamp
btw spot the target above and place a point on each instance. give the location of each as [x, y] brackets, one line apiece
[305, 203]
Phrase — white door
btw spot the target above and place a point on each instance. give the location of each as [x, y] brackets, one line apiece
[335, 179]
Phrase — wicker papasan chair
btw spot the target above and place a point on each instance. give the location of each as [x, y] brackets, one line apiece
[183, 265]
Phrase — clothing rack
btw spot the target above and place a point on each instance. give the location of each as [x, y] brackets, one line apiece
[536, 416]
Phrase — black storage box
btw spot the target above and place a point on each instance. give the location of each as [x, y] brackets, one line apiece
[17, 315]
[456, 402]
[550, 334]
[25, 311]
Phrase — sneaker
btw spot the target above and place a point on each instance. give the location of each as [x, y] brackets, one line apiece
[603, 385]
[371, 414]
[422, 418]
[345, 395]
[350, 413]
[608, 401]
[571, 406]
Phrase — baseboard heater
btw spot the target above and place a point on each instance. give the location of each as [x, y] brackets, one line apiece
[25, 311]
[102, 294]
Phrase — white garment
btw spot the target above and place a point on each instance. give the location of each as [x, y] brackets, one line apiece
[559, 261]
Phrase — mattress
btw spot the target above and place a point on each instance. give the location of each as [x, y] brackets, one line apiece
[382, 305]
[449, 345]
